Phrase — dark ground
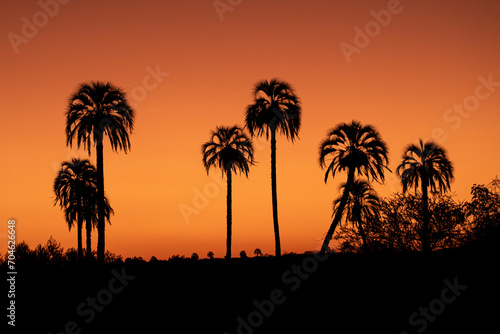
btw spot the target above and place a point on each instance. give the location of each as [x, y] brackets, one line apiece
[343, 294]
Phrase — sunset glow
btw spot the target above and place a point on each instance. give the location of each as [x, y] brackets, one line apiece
[413, 69]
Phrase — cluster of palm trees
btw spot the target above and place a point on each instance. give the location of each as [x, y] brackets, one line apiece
[100, 109]
[95, 110]
[360, 151]
[275, 108]
[357, 149]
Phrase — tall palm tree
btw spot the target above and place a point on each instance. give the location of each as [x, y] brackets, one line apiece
[97, 109]
[427, 164]
[275, 108]
[231, 150]
[363, 205]
[75, 187]
[357, 149]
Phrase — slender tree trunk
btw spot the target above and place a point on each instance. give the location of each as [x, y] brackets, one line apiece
[229, 214]
[88, 251]
[362, 234]
[338, 214]
[100, 203]
[275, 195]
[80, 242]
[425, 227]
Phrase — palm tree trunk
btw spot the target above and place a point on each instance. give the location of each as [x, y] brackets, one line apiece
[275, 195]
[340, 210]
[88, 252]
[229, 214]
[362, 234]
[425, 227]
[100, 203]
[80, 242]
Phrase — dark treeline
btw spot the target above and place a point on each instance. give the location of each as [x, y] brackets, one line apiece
[369, 225]
[395, 223]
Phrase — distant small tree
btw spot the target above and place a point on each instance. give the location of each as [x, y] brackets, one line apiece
[194, 256]
[210, 255]
[243, 254]
[257, 252]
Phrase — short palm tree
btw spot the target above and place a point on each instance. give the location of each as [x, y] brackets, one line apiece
[357, 149]
[427, 164]
[230, 150]
[97, 109]
[363, 205]
[75, 188]
[91, 211]
[275, 108]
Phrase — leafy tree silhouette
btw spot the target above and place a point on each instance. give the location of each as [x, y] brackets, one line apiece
[231, 150]
[358, 149]
[75, 187]
[483, 212]
[275, 108]
[97, 109]
[257, 252]
[427, 164]
[210, 255]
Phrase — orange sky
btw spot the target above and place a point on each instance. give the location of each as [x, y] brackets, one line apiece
[428, 58]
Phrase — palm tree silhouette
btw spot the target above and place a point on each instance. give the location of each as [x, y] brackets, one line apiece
[428, 164]
[94, 110]
[275, 108]
[75, 187]
[210, 255]
[362, 205]
[231, 150]
[360, 150]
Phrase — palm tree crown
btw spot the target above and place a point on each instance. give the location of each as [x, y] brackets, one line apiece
[362, 204]
[275, 107]
[229, 149]
[74, 181]
[99, 109]
[426, 162]
[354, 147]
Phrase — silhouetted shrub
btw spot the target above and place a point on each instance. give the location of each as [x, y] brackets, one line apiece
[176, 257]
[243, 254]
[257, 252]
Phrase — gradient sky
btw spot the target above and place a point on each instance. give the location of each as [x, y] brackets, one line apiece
[409, 80]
